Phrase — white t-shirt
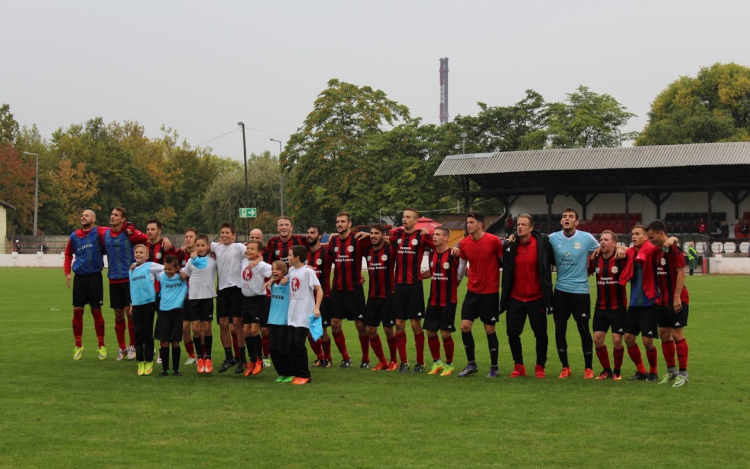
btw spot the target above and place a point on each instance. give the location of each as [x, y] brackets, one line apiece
[253, 280]
[202, 281]
[229, 261]
[302, 284]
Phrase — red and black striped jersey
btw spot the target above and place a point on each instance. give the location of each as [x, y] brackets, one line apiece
[444, 285]
[183, 255]
[277, 249]
[347, 258]
[410, 248]
[610, 294]
[380, 264]
[321, 261]
[157, 252]
[667, 265]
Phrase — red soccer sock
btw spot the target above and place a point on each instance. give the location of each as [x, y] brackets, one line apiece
[98, 325]
[78, 325]
[682, 353]
[377, 347]
[392, 348]
[434, 344]
[652, 357]
[131, 332]
[120, 333]
[419, 345]
[617, 354]
[668, 349]
[235, 347]
[448, 345]
[364, 343]
[326, 348]
[316, 347]
[401, 344]
[635, 355]
[340, 340]
[190, 349]
[603, 355]
[264, 344]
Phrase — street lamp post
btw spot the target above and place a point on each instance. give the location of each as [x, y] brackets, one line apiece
[463, 142]
[281, 178]
[247, 188]
[36, 190]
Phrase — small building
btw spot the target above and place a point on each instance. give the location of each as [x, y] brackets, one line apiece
[4, 207]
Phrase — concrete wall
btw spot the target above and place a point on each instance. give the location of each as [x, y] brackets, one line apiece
[729, 265]
[3, 229]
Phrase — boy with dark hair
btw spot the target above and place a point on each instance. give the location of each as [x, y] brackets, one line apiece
[320, 259]
[303, 284]
[169, 321]
[183, 255]
[255, 305]
[201, 293]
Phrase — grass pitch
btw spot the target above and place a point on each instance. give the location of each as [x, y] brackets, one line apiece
[60, 413]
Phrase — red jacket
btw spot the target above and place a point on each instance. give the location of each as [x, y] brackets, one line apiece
[646, 256]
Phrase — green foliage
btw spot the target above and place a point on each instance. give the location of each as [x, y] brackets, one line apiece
[713, 106]
[8, 125]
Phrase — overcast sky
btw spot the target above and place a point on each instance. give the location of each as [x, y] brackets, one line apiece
[200, 67]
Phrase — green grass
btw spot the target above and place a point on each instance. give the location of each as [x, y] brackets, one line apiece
[61, 413]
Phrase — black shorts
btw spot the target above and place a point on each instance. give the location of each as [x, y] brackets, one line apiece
[484, 306]
[119, 295]
[380, 310]
[668, 318]
[201, 309]
[614, 318]
[348, 304]
[566, 304]
[169, 325]
[408, 301]
[255, 309]
[642, 320]
[88, 290]
[440, 317]
[229, 303]
[325, 311]
[186, 311]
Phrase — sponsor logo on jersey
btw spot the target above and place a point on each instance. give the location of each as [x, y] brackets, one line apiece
[446, 265]
[615, 269]
[398, 241]
[295, 284]
[350, 249]
[319, 261]
[384, 257]
[277, 252]
[663, 261]
[597, 270]
[577, 245]
[414, 242]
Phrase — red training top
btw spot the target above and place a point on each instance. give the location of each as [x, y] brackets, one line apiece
[526, 284]
[484, 255]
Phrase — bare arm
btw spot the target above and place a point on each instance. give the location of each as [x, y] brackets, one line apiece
[679, 284]
[461, 269]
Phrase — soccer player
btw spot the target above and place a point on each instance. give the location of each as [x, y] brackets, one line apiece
[157, 250]
[86, 246]
[673, 303]
[229, 257]
[143, 295]
[483, 252]
[305, 298]
[572, 248]
[255, 235]
[527, 291]
[611, 304]
[169, 321]
[408, 296]
[119, 240]
[321, 260]
[380, 260]
[641, 316]
[278, 324]
[441, 310]
[347, 294]
[255, 306]
[201, 293]
[188, 326]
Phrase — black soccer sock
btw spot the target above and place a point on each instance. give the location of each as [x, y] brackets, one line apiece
[587, 343]
[258, 342]
[209, 342]
[164, 354]
[243, 356]
[250, 346]
[228, 354]
[562, 349]
[198, 347]
[175, 358]
[468, 340]
[494, 346]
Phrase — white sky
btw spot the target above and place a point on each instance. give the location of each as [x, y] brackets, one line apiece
[200, 67]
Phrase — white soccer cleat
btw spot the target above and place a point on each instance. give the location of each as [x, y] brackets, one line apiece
[191, 361]
[131, 353]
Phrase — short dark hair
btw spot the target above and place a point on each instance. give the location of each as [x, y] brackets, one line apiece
[299, 251]
[344, 214]
[227, 224]
[171, 260]
[154, 220]
[317, 229]
[476, 215]
[123, 211]
[190, 229]
[379, 227]
[202, 237]
[569, 209]
[657, 225]
[444, 229]
[257, 243]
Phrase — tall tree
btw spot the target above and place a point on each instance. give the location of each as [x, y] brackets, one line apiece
[17, 188]
[713, 106]
[587, 120]
[8, 125]
[329, 152]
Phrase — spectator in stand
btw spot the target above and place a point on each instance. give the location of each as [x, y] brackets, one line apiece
[511, 224]
[745, 228]
[724, 230]
[702, 227]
